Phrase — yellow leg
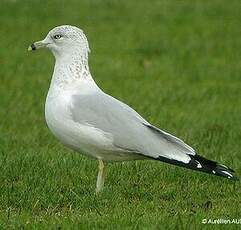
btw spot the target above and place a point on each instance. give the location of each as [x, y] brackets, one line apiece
[101, 177]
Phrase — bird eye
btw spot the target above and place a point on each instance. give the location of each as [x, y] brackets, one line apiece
[57, 36]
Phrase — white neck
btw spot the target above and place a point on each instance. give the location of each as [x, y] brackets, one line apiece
[70, 68]
[71, 73]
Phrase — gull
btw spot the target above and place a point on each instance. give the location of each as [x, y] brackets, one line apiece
[87, 120]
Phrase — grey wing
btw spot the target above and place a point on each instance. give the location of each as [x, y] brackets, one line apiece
[128, 129]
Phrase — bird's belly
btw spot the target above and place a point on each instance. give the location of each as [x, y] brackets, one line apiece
[81, 137]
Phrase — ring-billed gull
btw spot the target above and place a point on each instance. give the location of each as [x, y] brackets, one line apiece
[88, 120]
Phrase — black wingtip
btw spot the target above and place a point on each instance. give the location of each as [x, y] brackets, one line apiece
[202, 164]
[224, 171]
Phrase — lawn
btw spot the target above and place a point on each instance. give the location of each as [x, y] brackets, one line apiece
[176, 62]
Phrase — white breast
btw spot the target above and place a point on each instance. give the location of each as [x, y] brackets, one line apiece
[82, 137]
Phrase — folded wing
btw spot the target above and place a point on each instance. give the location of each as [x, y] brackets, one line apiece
[128, 129]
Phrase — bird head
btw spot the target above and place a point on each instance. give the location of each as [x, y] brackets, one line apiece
[63, 40]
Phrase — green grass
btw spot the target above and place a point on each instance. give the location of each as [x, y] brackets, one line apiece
[176, 62]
